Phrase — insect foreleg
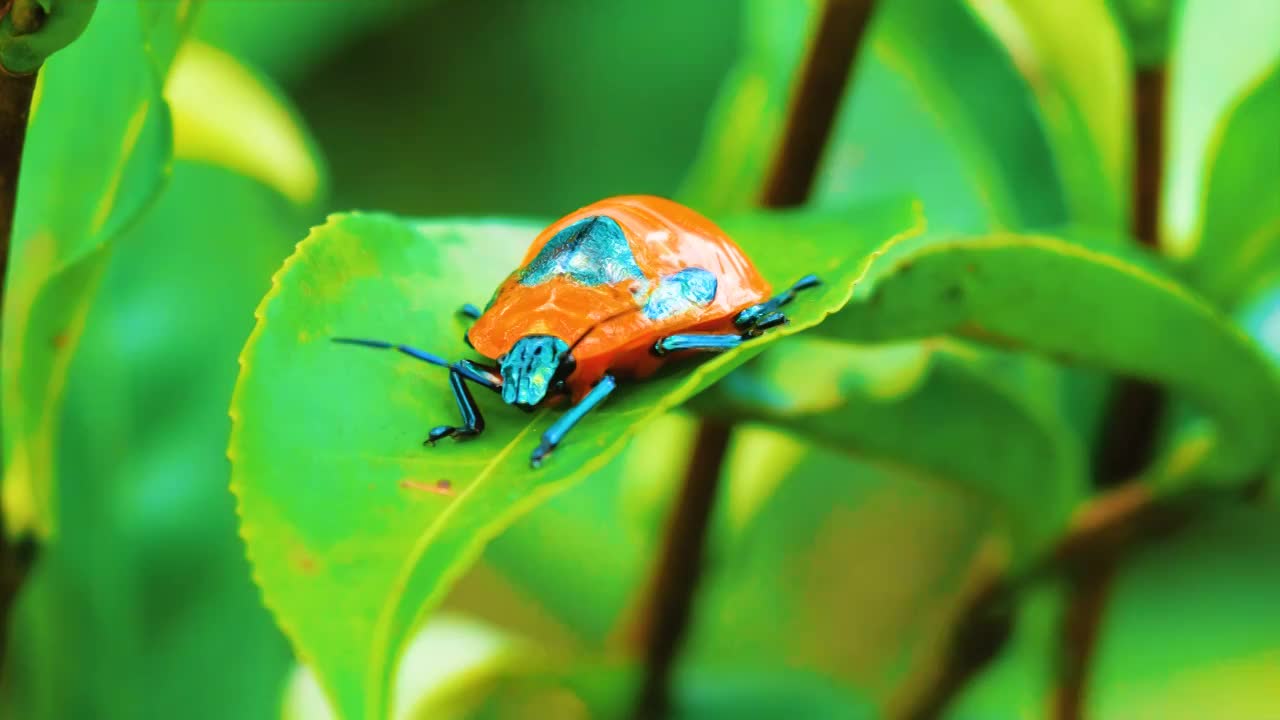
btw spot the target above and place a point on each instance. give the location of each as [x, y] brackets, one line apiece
[554, 434]
[472, 420]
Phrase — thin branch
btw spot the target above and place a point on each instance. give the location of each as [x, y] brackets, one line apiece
[816, 101]
[16, 91]
[1133, 415]
[819, 90]
[15, 107]
[680, 567]
[1104, 530]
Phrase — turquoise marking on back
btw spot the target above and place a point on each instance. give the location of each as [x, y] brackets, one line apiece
[681, 292]
[592, 251]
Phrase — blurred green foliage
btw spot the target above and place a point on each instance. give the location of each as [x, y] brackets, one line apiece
[941, 425]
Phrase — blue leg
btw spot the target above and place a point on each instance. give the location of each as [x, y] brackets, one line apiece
[710, 342]
[472, 420]
[751, 319]
[554, 434]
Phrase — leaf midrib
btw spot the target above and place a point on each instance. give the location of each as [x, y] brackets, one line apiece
[382, 626]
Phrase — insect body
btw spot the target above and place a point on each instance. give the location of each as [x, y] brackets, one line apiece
[609, 292]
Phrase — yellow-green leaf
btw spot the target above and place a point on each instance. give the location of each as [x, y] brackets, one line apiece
[226, 114]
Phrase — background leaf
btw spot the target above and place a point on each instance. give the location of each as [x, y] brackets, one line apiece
[1240, 230]
[228, 115]
[931, 406]
[85, 177]
[1207, 78]
[376, 276]
[1081, 84]
[1211, 577]
[135, 594]
[1019, 290]
[866, 564]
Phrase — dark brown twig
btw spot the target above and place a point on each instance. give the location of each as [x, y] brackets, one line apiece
[819, 89]
[1130, 427]
[1107, 528]
[680, 567]
[816, 101]
[15, 106]
[16, 91]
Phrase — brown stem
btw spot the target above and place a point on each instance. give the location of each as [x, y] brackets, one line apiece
[1102, 532]
[681, 567]
[819, 89]
[16, 91]
[1133, 415]
[15, 107]
[1148, 146]
[816, 100]
[981, 629]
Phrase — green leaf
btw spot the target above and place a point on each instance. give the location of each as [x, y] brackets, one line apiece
[1112, 309]
[154, 533]
[145, 418]
[372, 537]
[86, 177]
[1208, 77]
[1200, 608]
[865, 566]
[934, 406]
[1080, 82]
[978, 157]
[1238, 245]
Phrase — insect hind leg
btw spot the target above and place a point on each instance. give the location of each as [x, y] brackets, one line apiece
[765, 315]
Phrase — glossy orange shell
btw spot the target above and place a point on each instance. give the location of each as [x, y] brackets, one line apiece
[664, 237]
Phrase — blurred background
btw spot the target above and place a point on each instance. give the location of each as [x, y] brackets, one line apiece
[834, 578]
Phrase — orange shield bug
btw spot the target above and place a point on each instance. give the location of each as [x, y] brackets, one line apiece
[610, 292]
